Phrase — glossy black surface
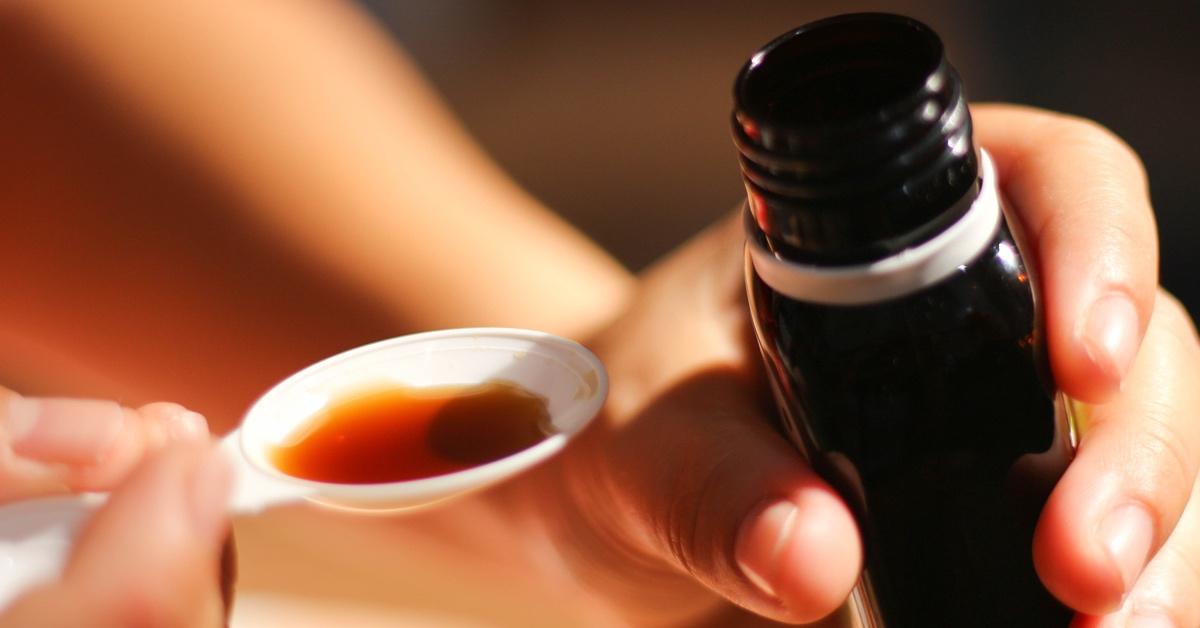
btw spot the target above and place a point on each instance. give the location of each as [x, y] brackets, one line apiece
[854, 138]
[921, 410]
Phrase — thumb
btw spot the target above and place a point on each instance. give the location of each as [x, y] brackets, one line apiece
[727, 500]
[150, 557]
[699, 477]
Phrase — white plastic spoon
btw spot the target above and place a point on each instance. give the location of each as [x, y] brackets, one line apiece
[35, 535]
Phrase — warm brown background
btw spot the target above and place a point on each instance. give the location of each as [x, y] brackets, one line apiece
[616, 113]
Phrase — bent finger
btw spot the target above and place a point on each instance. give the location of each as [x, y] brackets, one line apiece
[1082, 198]
[731, 503]
[1133, 474]
[1168, 593]
[51, 445]
[713, 489]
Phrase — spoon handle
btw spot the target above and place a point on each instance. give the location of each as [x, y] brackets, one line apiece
[253, 490]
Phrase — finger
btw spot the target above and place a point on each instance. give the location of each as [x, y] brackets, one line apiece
[55, 445]
[1168, 593]
[146, 429]
[1081, 196]
[713, 488]
[150, 556]
[1132, 476]
[733, 505]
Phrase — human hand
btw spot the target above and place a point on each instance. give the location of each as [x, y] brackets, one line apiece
[150, 556]
[50, 446]
[147, 557]
[683, 489]
[1127, 498]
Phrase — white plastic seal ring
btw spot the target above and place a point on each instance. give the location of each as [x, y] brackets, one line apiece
[903, 273]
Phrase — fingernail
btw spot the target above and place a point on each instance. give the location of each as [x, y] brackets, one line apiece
[212, 480]
[760, 541]
[68, 431]
[1150, 619]
[187, 426]
[1127, 533]
[1110, 333]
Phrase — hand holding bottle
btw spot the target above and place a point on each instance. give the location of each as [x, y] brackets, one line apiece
[686, 477]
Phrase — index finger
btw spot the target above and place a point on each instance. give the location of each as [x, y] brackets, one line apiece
[1081, 197]
[53, 445]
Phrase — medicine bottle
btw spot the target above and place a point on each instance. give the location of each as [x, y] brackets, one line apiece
[898, 321]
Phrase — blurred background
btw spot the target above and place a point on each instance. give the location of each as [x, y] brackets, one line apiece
[616, 113]
[141, 275]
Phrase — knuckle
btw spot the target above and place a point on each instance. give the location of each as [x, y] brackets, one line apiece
[1128, 239]
[691, 535]
[1172, 469]
[1173, 318]
[681, 528]
[1101, 141]
[161, 408]
[1113, 209]
[1183, 563]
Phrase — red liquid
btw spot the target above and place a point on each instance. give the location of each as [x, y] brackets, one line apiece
[398, 433]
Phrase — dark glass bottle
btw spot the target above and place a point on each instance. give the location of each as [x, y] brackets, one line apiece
[898, 322]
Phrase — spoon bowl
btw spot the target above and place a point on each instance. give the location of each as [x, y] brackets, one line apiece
[569, 377]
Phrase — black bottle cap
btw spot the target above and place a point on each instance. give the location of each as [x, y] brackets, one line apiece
[854, 139]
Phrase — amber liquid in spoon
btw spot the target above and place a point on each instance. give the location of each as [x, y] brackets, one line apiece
[396, 433]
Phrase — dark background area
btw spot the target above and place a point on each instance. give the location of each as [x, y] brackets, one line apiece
[616, 114]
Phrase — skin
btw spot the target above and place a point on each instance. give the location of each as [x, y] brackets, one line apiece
[693, 510]
[1137, 448]
[152, 555]
[182, 191]
[146, 559]
[687, 506]
[665, 548]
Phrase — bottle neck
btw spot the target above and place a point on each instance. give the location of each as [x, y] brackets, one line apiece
[897, 275]
[854, 139]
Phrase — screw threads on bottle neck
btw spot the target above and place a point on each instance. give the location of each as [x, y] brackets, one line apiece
[854, 139]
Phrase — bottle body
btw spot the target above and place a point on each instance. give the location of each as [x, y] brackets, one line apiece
[898, 321]
[933, 416]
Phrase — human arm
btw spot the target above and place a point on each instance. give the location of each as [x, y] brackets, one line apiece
[274, 181]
